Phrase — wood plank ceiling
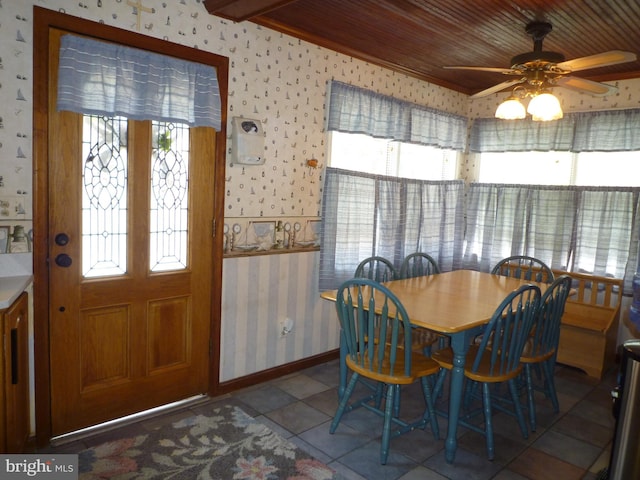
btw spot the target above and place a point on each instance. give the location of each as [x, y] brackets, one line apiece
[419, 37]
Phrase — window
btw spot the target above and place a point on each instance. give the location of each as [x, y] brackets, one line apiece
[607, 169]
[380, 156]
[533, 168]
[390, 189]
[169, 214]
[612, 169]
[105, 201]
[104, 196]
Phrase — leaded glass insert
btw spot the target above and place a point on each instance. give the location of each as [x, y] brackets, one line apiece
[104, 196]
[169, 197]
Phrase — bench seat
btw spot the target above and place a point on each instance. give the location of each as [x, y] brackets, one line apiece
[589, 329]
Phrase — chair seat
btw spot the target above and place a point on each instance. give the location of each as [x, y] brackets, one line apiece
[527, 350]
[444, 358]
[529, 358]
[421, 366]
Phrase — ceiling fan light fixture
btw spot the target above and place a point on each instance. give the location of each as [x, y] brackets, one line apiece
[545, 107]
[511, 109]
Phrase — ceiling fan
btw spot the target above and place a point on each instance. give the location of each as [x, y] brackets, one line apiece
[539, 69]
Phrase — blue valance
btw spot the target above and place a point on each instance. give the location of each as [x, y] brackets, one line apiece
[607, 131]
[356, 110]
[603, 131]
[102, 78]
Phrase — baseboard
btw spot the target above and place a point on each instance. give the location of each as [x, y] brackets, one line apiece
[275, 372]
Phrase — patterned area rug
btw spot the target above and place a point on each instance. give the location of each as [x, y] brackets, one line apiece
[228, 445]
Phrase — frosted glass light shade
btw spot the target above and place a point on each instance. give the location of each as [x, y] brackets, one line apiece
[545, 107]
[511, 109]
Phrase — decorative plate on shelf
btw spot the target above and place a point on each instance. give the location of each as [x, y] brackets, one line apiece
[246, 248]
[306, 244]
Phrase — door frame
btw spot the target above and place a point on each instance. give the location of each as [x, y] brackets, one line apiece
[44, 20]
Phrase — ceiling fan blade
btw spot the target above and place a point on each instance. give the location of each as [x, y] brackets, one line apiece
[604, 59]
[586, 86]
[506, 71]
[497, 88]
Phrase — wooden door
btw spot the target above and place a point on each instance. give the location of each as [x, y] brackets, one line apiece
[130, 253]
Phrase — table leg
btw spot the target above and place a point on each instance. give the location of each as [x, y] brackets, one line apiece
[460, 346]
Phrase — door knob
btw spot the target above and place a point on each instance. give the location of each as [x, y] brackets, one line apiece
[63, 260]
[61, 239]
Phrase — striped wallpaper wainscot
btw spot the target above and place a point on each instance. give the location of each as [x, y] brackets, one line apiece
[259, 293]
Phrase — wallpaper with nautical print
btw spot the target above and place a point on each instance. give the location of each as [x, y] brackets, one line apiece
[277, 80]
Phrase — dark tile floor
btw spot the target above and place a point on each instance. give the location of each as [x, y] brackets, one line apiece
[573, 444]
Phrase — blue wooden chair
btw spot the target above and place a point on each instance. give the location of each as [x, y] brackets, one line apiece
[524, 268]
[496, 359]
[376, 268]
[540, 350]
[418, 264]
[378, 348]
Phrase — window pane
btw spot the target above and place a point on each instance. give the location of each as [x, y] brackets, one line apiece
[426, 163]
[359, 152]
[104, 196]
[608, 169]
[169, 197]
[378, 156]
[533, 168]
[612, 169]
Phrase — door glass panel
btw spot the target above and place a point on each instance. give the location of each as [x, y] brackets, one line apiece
[169, 197]
[104, 196]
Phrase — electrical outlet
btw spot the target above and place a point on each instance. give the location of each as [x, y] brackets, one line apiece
[286, 326]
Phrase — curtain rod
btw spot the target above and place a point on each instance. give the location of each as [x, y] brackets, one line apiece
[603, 110]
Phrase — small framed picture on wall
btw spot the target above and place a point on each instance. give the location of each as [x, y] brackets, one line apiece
[264, 234]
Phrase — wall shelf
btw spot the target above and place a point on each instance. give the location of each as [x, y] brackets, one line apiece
[273, 251]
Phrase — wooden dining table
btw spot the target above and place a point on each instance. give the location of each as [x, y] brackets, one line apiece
[458, 304]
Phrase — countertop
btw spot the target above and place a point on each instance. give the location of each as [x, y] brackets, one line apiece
[11, 288]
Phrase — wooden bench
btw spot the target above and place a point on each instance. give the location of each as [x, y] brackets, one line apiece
[589, 330]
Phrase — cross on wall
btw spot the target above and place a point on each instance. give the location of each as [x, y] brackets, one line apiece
[138, 9]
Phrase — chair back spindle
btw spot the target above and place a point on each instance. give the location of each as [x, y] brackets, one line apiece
[546, 331]
[525, 268]
[418, 264]
[503, 341]
[381, 342]
[542, 347]
[376, 268]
